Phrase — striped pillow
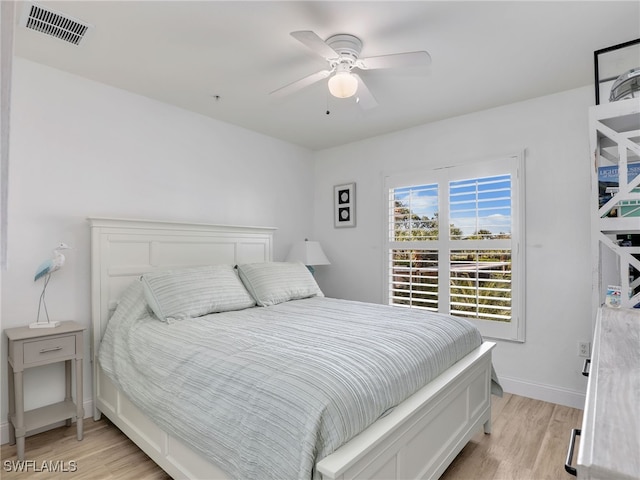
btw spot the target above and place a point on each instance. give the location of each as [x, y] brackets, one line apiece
[193, 292]
[276, 282]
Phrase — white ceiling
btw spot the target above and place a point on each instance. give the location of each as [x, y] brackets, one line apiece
[186, 53]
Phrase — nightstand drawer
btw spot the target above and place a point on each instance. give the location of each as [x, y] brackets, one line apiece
[49, 348]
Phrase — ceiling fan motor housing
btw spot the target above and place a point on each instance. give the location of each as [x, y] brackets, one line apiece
[348, 46]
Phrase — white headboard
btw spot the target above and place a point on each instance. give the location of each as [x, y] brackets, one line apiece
[122, 250]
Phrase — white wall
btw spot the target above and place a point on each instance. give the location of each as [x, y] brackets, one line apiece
[80, 149]
[554, 132]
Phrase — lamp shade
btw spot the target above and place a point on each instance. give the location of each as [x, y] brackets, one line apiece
[308, 252]
[343, 85]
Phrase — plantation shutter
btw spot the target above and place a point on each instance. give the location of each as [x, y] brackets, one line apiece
[454, 243]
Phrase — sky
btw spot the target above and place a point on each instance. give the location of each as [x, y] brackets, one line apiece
[479, 203]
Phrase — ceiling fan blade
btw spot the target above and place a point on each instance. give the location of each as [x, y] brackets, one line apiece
[396, 60]
[300, 84]
[364, 97]
[315, 43]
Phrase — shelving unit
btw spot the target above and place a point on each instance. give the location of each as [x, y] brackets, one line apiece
[615, 149]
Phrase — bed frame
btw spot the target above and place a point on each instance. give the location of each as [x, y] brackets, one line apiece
[418, 439]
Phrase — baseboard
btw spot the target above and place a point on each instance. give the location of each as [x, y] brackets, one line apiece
[4, 426]
[547, 393]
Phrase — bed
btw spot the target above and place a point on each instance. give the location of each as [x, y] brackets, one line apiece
[417, 438]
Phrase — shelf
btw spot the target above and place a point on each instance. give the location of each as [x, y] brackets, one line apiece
[623, 123]
[43, 416]
[619, 225]
[620, 115]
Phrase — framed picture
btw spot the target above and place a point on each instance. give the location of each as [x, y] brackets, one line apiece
[344, 199]
[612, 62]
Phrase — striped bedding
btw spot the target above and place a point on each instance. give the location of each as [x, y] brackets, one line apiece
[266, 392]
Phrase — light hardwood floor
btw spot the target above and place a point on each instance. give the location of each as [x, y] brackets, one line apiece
[528, 442]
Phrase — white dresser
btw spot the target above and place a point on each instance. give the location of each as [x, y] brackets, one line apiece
[610, 435]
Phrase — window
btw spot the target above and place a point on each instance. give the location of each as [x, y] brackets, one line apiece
[454, 242]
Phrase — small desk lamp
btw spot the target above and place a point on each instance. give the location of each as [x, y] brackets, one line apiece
[308, 252]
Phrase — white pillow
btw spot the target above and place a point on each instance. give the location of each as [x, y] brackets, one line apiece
[276, 282]
[193, 292]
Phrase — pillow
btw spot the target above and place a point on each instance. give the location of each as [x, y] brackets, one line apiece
[276, 282]
[193, 292]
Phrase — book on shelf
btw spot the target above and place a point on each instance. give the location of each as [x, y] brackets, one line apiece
[614, 296]
[608, 186]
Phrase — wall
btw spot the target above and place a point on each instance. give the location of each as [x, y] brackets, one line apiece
[554, 132]
[80, 149]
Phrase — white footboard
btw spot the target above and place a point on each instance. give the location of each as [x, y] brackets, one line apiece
[422, 436]
[418, 439]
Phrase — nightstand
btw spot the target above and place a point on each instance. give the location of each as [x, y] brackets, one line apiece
[33, 348]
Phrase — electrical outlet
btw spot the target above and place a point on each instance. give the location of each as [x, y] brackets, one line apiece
[584, 349]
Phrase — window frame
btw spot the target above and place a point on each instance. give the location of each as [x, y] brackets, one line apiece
[513, 164]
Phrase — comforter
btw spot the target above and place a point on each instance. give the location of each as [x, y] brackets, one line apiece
[267, 392]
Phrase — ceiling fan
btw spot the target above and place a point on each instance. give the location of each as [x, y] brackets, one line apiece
[342, 52]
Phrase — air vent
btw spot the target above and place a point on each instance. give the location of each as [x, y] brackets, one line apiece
[54, 24]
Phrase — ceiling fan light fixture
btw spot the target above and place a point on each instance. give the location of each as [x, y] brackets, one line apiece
[343, 85]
